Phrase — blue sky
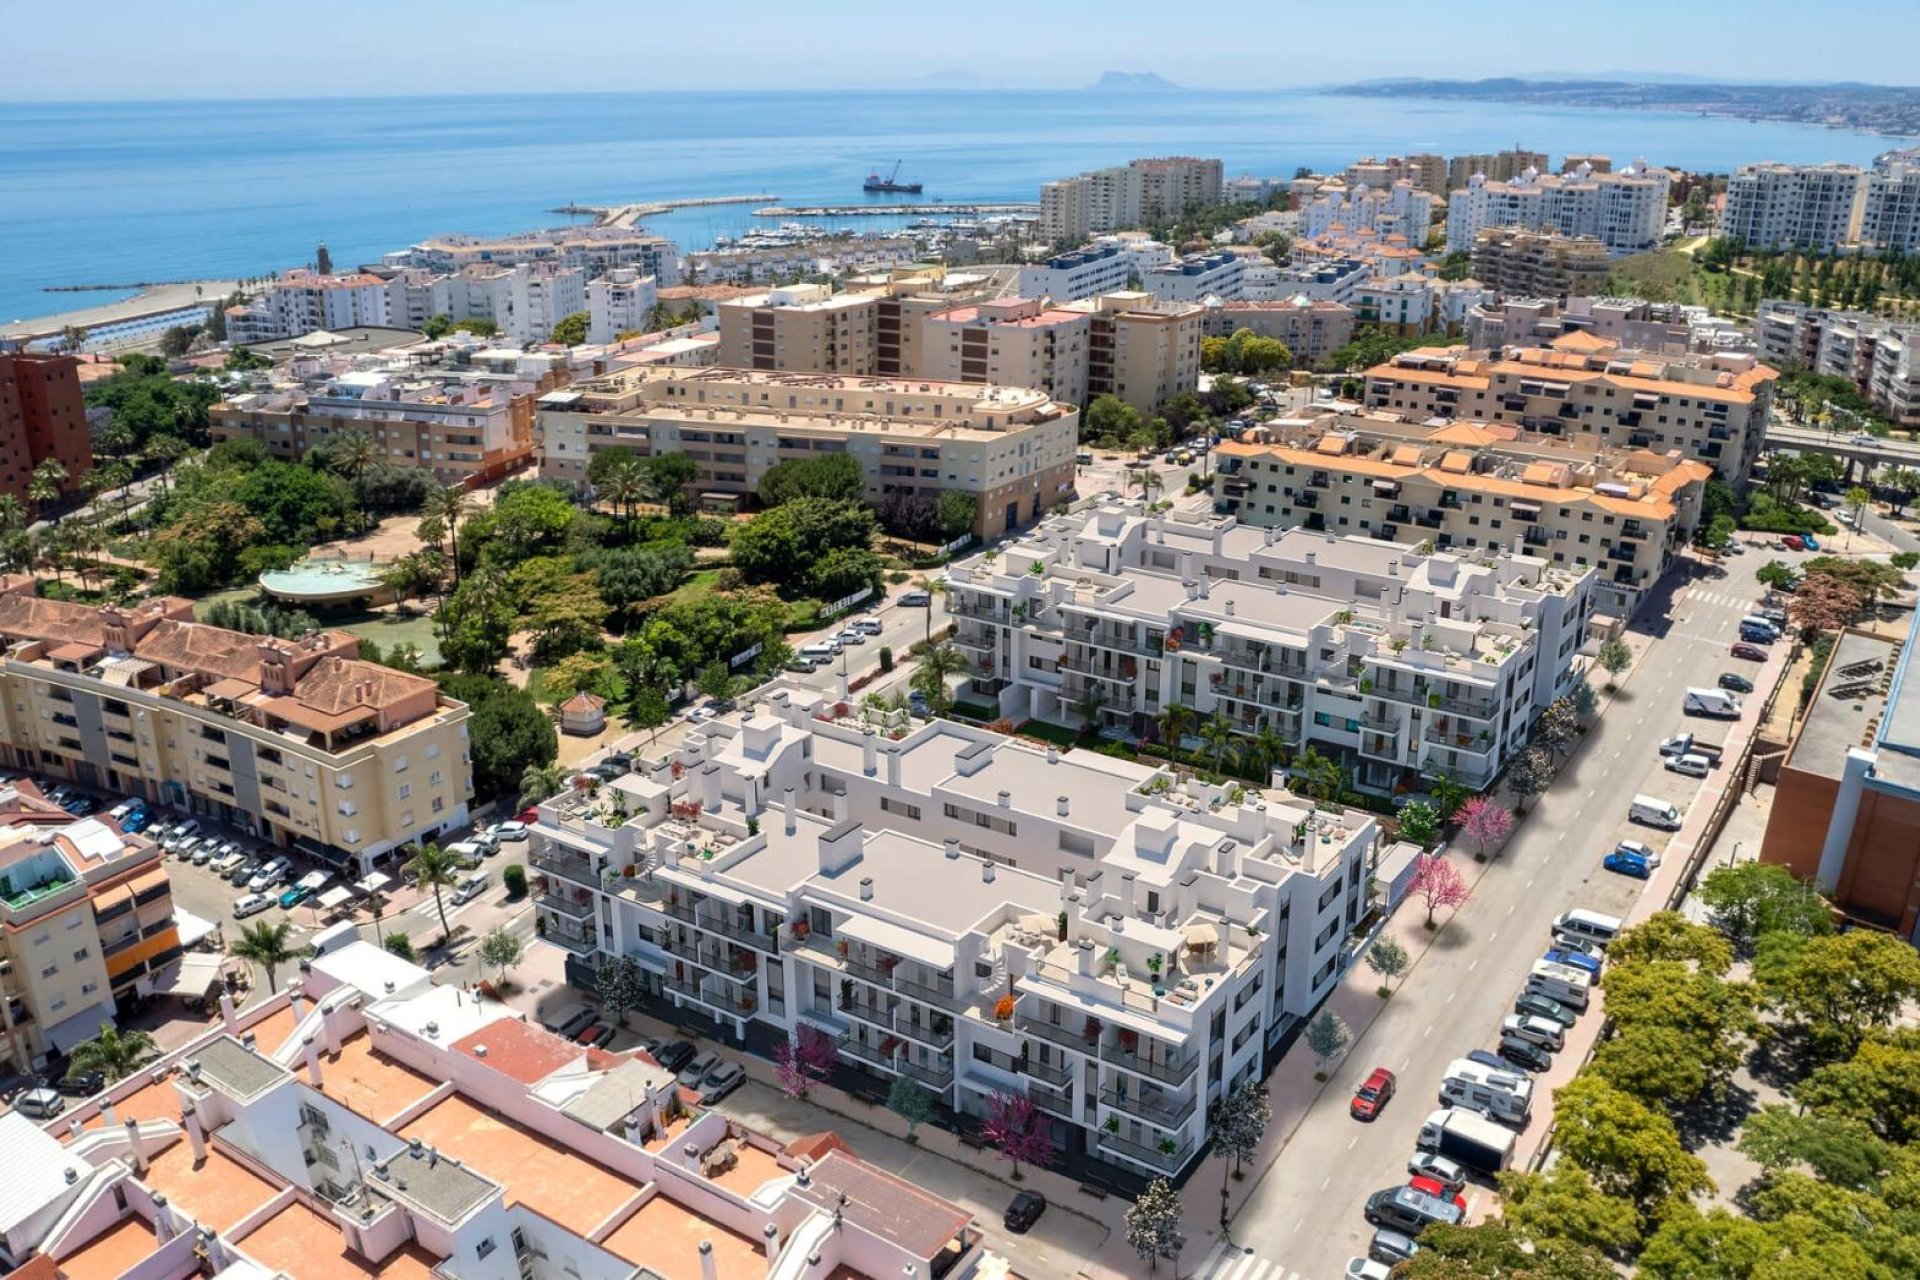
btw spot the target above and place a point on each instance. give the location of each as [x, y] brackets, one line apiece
[256, 48]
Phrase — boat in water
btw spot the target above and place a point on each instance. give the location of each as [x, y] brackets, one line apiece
[890, 183]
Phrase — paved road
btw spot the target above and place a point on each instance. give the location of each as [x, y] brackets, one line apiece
[1304, 1215]
[1884, 451]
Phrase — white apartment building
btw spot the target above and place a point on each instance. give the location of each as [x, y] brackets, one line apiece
[1891, 216]
[300, 301]
[1330, 280]
[1399, 663]
[1780, 206]
[1084, 273]
[592, 250]
[1400, 209]
[1415, 302]
[1874, 353]
[619, 302]
[1121, 197]
[1212, 275]
[1626, 211]
[969, 911]
[1634, 323]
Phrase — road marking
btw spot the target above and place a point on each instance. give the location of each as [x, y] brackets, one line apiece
[1427, 1032]
[1590, 793]
[1496, 933]
[1530, 883]
[1471, 966]
[1353, 1141]
[1327, 1182]
[1451, 994]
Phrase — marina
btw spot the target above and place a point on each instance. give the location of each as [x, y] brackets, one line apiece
[626, 215]
[891, 210]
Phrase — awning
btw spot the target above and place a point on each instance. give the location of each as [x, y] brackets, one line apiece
[191, 976]
[193, 928]
[373, 882]
[335, 896]
[82, 1026]
[314, 880]
[902, 942]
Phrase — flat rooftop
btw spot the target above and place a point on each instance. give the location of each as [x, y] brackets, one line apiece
[915, 880]
[369, 1082]
[112, 1253]
[1851, 695]
[302, 1243]
[216, 1192]
[665, 1238]
[552, 1180]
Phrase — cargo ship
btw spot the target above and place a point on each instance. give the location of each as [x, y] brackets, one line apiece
[890, 183]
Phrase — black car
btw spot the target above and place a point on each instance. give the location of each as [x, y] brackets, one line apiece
[1737, 683]
[81, 1084]
[1525, 1054]
[674, 1055]
[1025, 1211]
[1487, 1058]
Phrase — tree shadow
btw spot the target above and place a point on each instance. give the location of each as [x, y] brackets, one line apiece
[1451, 936]
[1783, 1059]
[1715, 1121]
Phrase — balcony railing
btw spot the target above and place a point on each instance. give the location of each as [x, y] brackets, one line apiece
[1167, 1113]
[579, 945]
[934, 1077]
[1167, 1070]
[726, 928]
[1062, 1036]
[939, 993]
[1153, 1157]
[938, 1037]
[734, 1002]
[870, 1054]
[1058, 1101]
[1052, 1074]
[578, 870]
[566, 905]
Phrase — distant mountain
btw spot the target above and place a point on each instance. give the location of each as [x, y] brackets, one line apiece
[1134, 82]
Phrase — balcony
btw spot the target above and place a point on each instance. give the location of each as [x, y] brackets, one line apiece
[118, 945]
[734, 1003]
[581, 942]
[1169, 1157]
[1168, 1069]
[1158, 1109]
[869, 1054]
[1047, 1071]
[936, 1034]
[1058, 1101]
[1075, 1040]
[937, 1078]
[711, 923]
[939, 992]
[579, 870]
[578, 907]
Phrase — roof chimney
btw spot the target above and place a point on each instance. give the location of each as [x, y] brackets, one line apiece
[1060, 805]
[866, 888]
[986, 870]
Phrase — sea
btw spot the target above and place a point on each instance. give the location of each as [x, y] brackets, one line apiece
[97, 193]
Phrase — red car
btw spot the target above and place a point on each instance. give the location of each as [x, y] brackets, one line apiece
[1751, 652]
[528, 815]
[1438, 1190]
[595, 1034]
[1792, 542]
[1371, 1097]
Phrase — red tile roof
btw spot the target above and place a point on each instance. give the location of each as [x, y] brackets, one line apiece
[519, 1050]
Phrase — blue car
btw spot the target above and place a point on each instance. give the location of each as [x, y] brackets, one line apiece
[135, 823]
[1575, 959]
[295, 896]
[1808, 540]
[1628, 864]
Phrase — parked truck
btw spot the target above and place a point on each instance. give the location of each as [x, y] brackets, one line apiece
[1471, 1139]
[1716, 703]
[1692, 744]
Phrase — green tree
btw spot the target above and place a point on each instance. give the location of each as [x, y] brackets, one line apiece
[1839, 1149]
[541, 782]
[500, 950]
[1614, 658]
[912, 1103]
[1752, 898]
[113, 1053]
[1153, 1224]
[1327, 1036]
[620, 985]
[930, 676]
[1109, 420]
[1841, 986]
[1217, 732]
[1389, 959]
[435, 868]
[1493, 1251]
[46, 483]
[506, 730]
[1563, 1205]
[1176, 722]
[1321, 777]
[1629, 1149]
[835, 477]
[1774, 576]
[1420, 823]
[1900, 484]
[1878, 1086]
[451, 506]
[955, 512]
[401, 945]
[667, 478]
[649, 710]
[265, 944]
[571, 330]
[1448, 793]
[715, 681]
[1530, 774]
[782, 545]
[1713, 1246]
[1668, 935]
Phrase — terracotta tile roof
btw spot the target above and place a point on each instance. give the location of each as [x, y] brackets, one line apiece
[1582, 341]
[337, 686]
[520, 1050]
[584, 701]
[32, 618]
[195, 646]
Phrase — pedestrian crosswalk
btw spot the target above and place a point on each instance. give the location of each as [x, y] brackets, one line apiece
[1231, 1262]
[1722, 599]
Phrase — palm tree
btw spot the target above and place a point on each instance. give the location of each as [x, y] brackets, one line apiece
[1320, 775]
[452, 505]
[624, 485]
[438, 869]
[116, 438]
[86, 542]
[265, 944]
[114, 1054]
[1088, 704]
[117, 473]
[541, 782]
[936, 664]
[932, 588]
[46, 483]
[1176, 722]
[1148, 479]
[13, 513]
[1267, 746]
[1218, 732]
[354, 455]
[167, 450]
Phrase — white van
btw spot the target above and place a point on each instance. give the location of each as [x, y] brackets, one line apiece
[1560, 982]
[1755, 622]
[1650, 812]
[1717, 703]
[1502, 1094]
[467, 851]
[1587, 926]
[471, 887]
[334, 937]
[818, 652]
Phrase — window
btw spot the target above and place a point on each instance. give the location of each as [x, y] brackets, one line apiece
[50, 970]
[400, 765]
[484, 1248]
[406, 790]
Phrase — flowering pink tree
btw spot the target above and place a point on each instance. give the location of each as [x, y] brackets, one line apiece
[804, 1061]
[1486, 820]
[1438, 884]
[1018, 1130]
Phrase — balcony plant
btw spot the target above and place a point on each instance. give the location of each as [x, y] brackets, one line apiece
[846, 993]
[1091, 1031]
[1060, 923]
[840, 948]
[1167, 1146]
[942, 1024]
[1154, 964]
[1113, 1124]
[1003, 1010]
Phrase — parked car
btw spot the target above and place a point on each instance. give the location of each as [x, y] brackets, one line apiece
[81, 1084]
[1737, 683]
[204, 850]
[1539, 1006]
[1433, 1187]
[1373, 1095]
[916, 600]
[1486, 1058]
[1574, 960]
[1367, 1269]
[851, 635]
[1751, 652]
[1810, 542]
[514, 830]
[1693, 766]
[294, 897]
[1628, 864]
[182, 834]
[596, 1034]
[721, 1081]
[246, 871]
[1524, 1053]
[871, 627]
[1025, 1211]
[41, 1104]
[250, 904]
[1425, 1164]
[569, 1019]
[1778, 617]
[269, 875]
[1542, 1031]
[674, 1055]
[1391, 1247]
[1793, 542]
[694, 1074]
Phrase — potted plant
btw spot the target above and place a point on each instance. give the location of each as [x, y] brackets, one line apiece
[942, 1024]
[1113, 1124]
[1003, 1009]
[846, 993]
[1167, 1147]
[1061, 922]
[801, 929]
[1091, 1032]
[1433, 702]
[840, 948]
[1154, 964]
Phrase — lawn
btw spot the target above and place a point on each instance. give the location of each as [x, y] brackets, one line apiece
[802, 615]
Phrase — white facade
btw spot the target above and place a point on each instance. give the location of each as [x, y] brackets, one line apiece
[525, 300]
[1815, 207]
[618, 302]
[301, 301]
[1214, 275]
[1085, 273]
[899, 885]
[1124, 196]
[1891, 217]
[1399, 210]
[1336, 280]
[592, 250]
[1626, 211]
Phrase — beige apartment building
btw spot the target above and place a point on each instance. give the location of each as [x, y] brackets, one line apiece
[802, 328]
[86, 917]
[1019, 342]
[296, 741]
[1012, 448]
[1710, 406]
[1312, 329]
[1141, 349]
[1539, 264]
[1502, 166]
[1465, 486]
[905, 297]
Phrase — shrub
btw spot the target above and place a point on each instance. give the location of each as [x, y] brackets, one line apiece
[886, 659]
[514, 877]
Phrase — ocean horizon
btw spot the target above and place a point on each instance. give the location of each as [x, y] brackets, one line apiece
[108, 192]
